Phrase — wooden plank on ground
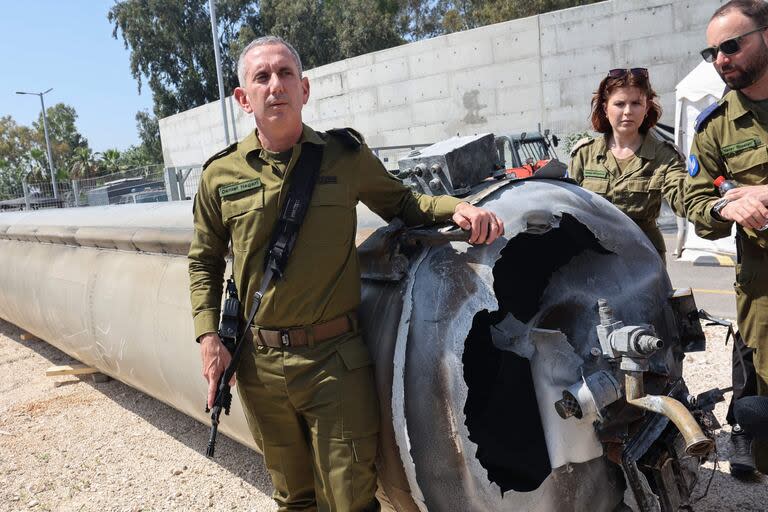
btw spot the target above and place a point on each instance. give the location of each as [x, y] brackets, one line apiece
[70, 369]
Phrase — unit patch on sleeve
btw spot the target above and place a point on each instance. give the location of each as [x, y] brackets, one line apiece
[236, 188]
[693, 165]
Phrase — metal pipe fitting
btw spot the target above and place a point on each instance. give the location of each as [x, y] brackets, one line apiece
[646, 344]
[696, 443]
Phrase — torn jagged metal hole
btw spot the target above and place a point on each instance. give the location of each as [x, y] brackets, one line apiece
[501, 410]
[523, 271]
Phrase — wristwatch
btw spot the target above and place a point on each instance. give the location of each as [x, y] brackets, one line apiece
[718, 207]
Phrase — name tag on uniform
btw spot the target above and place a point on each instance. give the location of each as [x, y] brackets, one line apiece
[595, 173]
[735, 149]
[236, 188]
[327, 180]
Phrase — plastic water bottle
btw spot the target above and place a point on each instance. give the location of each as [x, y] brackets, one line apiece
[724, 185]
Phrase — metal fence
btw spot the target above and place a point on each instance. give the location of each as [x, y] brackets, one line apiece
[182, 182]
[150, 183]
[106, 189]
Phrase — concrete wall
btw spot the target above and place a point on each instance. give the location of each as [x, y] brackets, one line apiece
[502, 78]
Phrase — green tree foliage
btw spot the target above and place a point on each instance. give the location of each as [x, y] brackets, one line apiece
[147, 153]
[109, 161]
[327, 31]
[83, 164]
[150, 150]
[171, 46]
[63, 134]
[24, 156]
[465, 14]
[149, 133]
[15, 143]
[37, 166]
[23, 152]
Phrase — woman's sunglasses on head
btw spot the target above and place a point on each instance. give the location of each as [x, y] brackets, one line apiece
[728, 47]
[622, 72]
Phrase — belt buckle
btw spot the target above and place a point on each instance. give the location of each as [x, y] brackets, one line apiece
[285, 338]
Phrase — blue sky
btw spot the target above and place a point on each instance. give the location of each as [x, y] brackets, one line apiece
[68, 45]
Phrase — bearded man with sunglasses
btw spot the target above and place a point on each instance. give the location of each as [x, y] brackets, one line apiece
[731, 140]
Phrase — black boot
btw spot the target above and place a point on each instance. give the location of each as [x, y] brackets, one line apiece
[742, 461]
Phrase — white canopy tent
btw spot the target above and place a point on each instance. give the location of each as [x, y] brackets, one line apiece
[700, 88]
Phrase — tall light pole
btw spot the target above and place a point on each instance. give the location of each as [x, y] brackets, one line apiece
[215, 30]
[47, 140]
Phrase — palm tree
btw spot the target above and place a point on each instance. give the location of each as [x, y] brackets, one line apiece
[109, 161]
[83, 164]
[37, 163]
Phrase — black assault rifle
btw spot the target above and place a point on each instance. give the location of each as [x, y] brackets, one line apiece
[233, 338]
[228, 331]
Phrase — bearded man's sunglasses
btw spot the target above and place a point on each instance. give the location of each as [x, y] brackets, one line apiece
[728, 47]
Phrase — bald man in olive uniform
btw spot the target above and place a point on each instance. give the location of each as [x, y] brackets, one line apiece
[305, 380]
[731, 140]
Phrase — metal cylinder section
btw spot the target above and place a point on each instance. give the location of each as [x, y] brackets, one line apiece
[491, 335]
[473, 344]
[107, 286]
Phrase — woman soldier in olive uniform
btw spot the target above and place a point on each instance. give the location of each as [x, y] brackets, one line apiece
[628, 166]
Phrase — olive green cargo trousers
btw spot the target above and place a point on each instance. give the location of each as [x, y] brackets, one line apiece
[315, 414]
[752, 317]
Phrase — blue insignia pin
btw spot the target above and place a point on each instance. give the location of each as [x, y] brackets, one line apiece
[693, 165]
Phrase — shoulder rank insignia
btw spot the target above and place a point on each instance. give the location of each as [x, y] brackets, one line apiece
[223, 152]
[580, 144]
[675, 148]
[349, 137]
[704, 115]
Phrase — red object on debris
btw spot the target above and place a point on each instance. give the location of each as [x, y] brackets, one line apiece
[527, 170]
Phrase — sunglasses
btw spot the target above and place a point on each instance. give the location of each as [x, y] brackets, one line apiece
[622, 72]
[728, 47]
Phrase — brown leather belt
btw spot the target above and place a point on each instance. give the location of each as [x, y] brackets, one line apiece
[303, 336]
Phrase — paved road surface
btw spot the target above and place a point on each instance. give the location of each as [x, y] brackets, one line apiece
[712, 285]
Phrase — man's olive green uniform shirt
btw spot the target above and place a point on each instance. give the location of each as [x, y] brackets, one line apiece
[658, 170]
[731, 142]
[240, 197]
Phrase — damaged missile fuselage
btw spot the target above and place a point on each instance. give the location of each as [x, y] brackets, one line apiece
[494, 338]
[542, 372]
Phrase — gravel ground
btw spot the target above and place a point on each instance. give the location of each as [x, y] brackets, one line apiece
[85, 446]
[69, 444]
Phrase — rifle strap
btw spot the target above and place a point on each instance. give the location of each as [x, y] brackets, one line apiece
[303, 178]
[284, 235]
